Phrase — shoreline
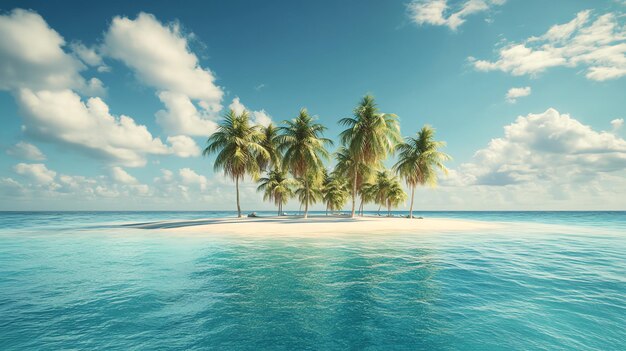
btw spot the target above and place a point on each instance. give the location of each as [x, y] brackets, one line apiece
[313, 225]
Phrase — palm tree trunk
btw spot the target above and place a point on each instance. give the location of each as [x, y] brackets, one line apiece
[412, 197]
[388, 209]
[306, 199]
[354, 193]
[237, 187]
[379, 206]
[279, 204]
[361, 207]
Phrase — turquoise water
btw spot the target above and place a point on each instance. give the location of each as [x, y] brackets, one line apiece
[543, 281]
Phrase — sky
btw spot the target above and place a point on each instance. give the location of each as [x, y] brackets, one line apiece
[107, 105]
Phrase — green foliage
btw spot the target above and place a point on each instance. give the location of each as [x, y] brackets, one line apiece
[238, 146]
[309, 189]
[369, 137]
[304, 150]
[419, 158]
[299, 147]
[335, 191]
[385, 190]
[277, 187]
[270, 142]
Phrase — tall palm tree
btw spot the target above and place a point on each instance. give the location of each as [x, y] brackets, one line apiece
[369, 137]
[418, 160]
[304, 149]
[269, 142]
[238, 147]
[277, 187]
[334, 191]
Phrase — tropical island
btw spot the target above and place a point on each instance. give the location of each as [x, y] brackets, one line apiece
[289, 161]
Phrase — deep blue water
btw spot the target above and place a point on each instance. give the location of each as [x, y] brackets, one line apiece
[543, 281]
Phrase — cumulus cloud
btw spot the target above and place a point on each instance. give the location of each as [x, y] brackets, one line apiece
[439, 13]
[32, 56]
[546, 147]
[257, 117]
[190, 177]
[89, 55]
[595, 43]
[41, 184]
[171, 68]
[37, 172]
[617, 124]
[26, 151]
[46, 82]
[514, 93]
[167, 66]
[183, 146]
[182, 117]
[62, 117]
[121, 176]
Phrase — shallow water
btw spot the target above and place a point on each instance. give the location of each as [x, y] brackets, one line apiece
[547, 281]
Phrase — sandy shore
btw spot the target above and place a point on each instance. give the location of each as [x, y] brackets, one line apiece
[315, 225]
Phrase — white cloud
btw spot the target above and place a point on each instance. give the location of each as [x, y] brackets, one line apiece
[48, 184]
[617, 124]
[190, 177]
[182, 116]
[514, 93]
[87, 55]
[545, 161]
[438, 13]
[549, 147]
[32, 56]
[171, 68]
[37, 172]
[26, 151]
[121, 176]
[61, 116]
[256, 117]
[159, 54]
[598, 45]
[183, 146]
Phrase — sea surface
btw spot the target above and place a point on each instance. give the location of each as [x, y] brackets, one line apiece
[541, 281]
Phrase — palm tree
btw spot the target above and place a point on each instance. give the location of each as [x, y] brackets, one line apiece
[394, 194]
[304, 149]
[370, 136]
[334, 191]
[238, 147]
[269, 142]
[309, 190]
[368, 194]
[277, 187]
[378, 190]
[418, 160]
[356, 173]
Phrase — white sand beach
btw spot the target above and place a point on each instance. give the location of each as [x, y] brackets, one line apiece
[315, 225]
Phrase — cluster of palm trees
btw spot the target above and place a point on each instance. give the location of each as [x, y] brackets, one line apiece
[291, 158]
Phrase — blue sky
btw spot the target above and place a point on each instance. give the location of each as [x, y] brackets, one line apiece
[105, 105]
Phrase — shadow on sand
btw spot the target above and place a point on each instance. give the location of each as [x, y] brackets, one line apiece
[287, 220]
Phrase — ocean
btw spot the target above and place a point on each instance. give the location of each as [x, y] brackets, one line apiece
[543, 281]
